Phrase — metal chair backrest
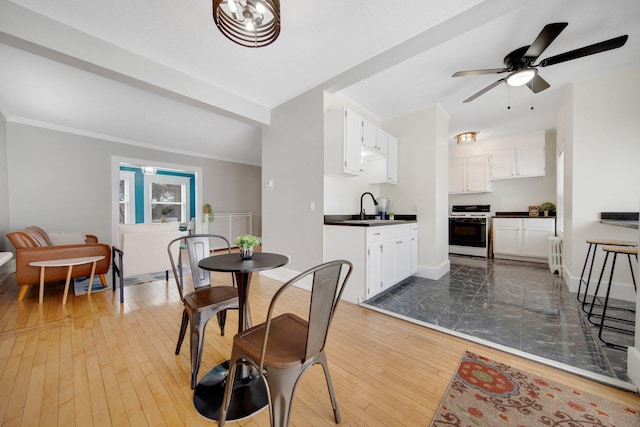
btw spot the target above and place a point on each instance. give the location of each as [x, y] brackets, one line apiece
[198, 247]
[329, 281]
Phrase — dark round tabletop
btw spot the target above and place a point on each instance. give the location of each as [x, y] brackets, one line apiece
[234, 263]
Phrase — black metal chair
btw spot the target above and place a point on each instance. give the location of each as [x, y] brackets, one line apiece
[284, 347]
[205, 301]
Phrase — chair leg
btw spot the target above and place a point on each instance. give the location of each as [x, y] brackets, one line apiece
[183, 330]
[282, 384]
[228, 390]
[222, 319]
[103, 280]
[322, 359]
[197, 339]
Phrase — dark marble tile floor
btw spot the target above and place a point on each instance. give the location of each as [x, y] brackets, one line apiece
[516, 304]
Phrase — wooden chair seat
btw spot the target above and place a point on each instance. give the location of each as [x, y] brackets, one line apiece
[287, 341]
[221, 296]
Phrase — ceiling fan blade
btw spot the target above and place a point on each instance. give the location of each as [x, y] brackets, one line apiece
[544, 39]
[585, 51]
[538, 84]
[486, 89]
[479, 72]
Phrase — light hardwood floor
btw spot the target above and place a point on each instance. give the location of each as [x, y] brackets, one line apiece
[95, 362]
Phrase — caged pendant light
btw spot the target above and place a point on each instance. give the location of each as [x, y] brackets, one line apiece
[249, 23]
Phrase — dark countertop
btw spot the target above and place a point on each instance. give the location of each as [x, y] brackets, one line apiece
[340, 220]
[620, 219]
[519, 215]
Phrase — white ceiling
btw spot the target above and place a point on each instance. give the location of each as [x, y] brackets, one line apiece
[159, 73]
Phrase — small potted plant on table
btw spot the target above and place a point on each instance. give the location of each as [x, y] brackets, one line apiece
[246, 243]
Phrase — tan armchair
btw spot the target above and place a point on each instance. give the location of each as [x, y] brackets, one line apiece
[33, 244]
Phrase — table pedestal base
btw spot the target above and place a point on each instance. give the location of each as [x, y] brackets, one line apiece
[249, 393]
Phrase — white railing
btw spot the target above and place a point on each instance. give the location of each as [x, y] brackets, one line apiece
[229, 225]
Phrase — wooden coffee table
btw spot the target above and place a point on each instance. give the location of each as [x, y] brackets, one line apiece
[68, 262]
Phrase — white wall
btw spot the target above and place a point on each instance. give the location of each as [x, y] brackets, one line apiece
[513, 194]
[599, 127]
[62, 181]
[601, 167]
[423, 170]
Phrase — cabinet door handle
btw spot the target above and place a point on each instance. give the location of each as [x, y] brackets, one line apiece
[398, 242]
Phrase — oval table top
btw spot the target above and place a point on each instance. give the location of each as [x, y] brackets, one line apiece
[234, 263]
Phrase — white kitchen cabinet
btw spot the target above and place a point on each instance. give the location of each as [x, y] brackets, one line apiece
[507, 236]
[402, 257]
[374, 140]
[343, 141]
[522, 237]
[382, 256]
[385, 170]
[518, 162]
[413, 255]
[469, 174]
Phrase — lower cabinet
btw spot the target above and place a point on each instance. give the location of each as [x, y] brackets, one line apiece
[522, 237]
[382, 256]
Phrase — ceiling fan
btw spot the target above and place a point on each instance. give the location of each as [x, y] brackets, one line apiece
[521, 62]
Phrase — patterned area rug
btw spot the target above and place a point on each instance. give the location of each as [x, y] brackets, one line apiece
[81, 285]
[487, 393]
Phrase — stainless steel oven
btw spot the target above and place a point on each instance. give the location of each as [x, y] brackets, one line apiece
[469, 230]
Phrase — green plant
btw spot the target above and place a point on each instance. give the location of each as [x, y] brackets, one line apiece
[167, 210]
[547, 206]
[247, 241]
[207, 210]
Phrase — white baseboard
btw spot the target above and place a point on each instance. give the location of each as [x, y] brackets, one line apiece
[434, 273]
[285, 274]
[620, 291]
[633, 365]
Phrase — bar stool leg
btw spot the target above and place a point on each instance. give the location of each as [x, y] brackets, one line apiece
[605, 306]
[595, 295]
[584, 267]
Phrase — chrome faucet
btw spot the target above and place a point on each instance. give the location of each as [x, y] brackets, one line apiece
[375, 202]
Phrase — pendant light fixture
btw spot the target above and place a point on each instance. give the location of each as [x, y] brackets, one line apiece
[249, 23]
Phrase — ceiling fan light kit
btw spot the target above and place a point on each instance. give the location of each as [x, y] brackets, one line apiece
[466, 137]
[249, 23]
[521, 62]
[521, 77]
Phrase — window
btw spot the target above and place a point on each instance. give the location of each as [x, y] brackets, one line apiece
[168, 197]
[127, 207]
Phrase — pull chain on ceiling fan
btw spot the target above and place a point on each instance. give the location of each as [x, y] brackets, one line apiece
[520, 64]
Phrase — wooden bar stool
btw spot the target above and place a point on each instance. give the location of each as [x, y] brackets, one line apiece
[615, 250]
[593, 246]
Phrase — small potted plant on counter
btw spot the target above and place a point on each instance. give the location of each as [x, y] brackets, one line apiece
[246, 243]
[547, 207]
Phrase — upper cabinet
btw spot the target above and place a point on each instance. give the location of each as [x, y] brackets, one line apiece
[374, 140]
[518, 162]
[351, 140]
[517, 156]
[469, 174]
[342, 142]
[385, 170]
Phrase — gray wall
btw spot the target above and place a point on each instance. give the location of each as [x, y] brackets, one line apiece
[292, 156]
[61, 181]
[4, 187]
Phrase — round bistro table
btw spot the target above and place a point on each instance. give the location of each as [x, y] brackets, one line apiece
[249, 391]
